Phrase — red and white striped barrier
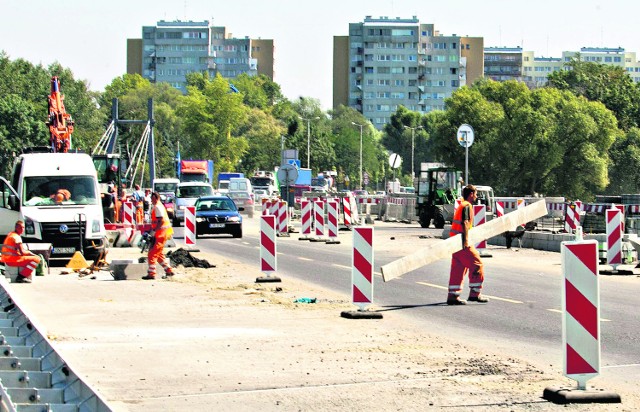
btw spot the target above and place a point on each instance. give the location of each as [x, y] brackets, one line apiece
[499, 208]
[346, 207]
[332, 221]
[581, 311]
[480, 217]
[268, 253]
[369, 200]
[318, 217]
[572, 216]
[621, 209]
[283, 218]
[362, 267]
[190, 225]
[128, 219]
[614, 237]
[265, 206]
[305, 217]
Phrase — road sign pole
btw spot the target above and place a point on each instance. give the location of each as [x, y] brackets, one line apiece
[466, 166]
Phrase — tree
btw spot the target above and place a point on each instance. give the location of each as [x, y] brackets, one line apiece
[603, 83]
[210, 120]
[527, 142]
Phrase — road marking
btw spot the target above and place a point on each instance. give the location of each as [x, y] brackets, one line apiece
[341, 266]
[488, 296]
[304, 258]
[559, 311]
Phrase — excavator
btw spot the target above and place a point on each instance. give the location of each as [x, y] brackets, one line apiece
[60, 122]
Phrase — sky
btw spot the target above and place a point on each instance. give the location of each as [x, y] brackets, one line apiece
[90, 36]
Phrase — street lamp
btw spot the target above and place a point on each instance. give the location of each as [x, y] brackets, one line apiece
[308, 138]
[360, 126]
[413, 144]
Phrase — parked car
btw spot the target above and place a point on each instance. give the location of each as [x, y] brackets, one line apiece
[187, 194]
[360, 193]
[217, 215]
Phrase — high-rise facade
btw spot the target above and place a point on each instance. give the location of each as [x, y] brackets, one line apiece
[384, 63]
[171, 50]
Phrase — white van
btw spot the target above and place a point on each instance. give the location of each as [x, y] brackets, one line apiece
[60, 203]
[241, 191]
[187, 194]
[166, 185]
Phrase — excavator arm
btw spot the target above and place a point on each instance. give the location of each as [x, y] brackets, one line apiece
[60, 122]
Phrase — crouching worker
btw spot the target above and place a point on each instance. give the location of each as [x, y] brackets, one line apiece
[161, 230]
[15, 253]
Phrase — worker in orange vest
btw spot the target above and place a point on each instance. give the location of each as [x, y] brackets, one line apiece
[161, 231]
[466, 260]
[15, 253]
[138, 199]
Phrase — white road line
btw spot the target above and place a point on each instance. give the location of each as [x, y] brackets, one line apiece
[306, 259]
[341, 266]
[488, 296]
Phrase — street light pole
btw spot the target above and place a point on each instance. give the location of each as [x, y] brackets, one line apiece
[413, 144]
[360, 126]
[308, 138]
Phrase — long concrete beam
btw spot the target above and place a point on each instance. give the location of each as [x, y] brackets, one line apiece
[451, 245]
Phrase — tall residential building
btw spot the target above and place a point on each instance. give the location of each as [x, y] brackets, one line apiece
[384, 63]
[512, 63]
[171, 50]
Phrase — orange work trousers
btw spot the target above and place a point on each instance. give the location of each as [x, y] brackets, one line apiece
[156, 253]
[27, 264]
[466, 261]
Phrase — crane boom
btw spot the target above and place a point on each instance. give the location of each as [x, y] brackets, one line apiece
[60, 122]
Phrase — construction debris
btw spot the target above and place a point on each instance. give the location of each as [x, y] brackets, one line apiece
[184, 258]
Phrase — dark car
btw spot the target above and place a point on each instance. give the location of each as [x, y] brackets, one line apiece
[217, 215]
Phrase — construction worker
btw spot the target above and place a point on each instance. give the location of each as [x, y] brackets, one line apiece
[466, 260]
[161, 231]
[15, 253]
[138, 198]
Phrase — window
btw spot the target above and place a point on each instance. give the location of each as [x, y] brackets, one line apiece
[412, 58]
[368, 70]
[384, 70]
[384, 82]
[398, 83]
[401, 32]
[396, 95]
[400, 70]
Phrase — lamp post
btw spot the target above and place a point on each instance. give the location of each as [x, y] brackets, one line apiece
[308, 138]
[360, 126]
[413, 144]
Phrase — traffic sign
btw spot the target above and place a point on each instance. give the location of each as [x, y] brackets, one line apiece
[465, 135]
[294, 162]
[365, 178]
[287, 175]
[395, 160]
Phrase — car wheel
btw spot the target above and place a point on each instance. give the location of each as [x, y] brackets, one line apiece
[237, 233]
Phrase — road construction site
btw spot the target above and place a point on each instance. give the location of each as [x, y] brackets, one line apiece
[213, 339]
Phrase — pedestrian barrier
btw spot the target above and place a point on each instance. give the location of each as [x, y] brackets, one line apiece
[572, 216]
[318, 218]
[614, 237]
[283, 218]
[479, 218]
[346, 209]
[332, 221]
[305, 219]
[268, 249]
[362, 274]
[580, 323]
[190, 226]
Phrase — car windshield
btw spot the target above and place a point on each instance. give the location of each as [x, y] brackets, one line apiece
[215, 205]
[59, 190]
[194, 191]
[165, 187]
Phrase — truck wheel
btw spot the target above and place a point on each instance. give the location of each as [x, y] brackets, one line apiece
[424, 221]
[438, 220]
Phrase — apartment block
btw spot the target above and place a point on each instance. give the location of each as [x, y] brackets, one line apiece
[513, 63]
[172, 49]
[384, 63]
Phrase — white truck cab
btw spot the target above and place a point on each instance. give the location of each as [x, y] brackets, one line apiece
[59, 199]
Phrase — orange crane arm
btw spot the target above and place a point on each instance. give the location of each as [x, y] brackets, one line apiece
[60, 122]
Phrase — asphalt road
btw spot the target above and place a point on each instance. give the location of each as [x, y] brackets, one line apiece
[523, 317]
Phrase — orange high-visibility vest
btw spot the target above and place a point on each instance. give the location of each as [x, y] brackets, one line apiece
[11, 247]
[456, 224]
[166, 223]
